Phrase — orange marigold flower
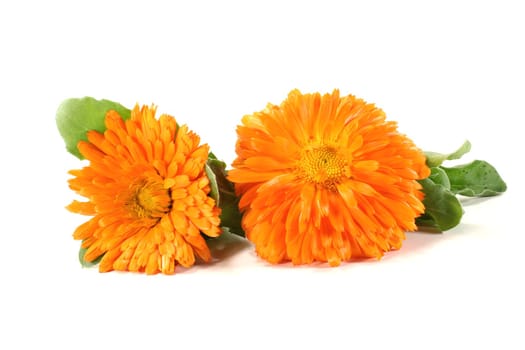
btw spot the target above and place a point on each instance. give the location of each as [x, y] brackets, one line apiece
[326, 178]
[147, 192]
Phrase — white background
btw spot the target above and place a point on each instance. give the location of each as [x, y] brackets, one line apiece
[445, 70]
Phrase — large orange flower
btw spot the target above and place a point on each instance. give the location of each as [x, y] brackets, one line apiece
[326, 178]
[147, 192]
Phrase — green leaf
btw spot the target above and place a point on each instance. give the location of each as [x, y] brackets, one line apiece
[434, 159]
[440, 177]
[475, 179]
[214, 188]
[76, 116]
[427, 224]
[83, 262]
[223, 191]
[443, 210]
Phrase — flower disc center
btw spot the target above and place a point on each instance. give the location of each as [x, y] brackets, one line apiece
[148, 199]
[323, 165]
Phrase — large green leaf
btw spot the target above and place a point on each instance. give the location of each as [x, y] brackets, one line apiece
[443, 210]
[76, 116]
[475, 179]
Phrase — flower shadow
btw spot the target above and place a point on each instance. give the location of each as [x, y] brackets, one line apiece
[226, 246]
[467, 201]
[416, 242]
[229, 245]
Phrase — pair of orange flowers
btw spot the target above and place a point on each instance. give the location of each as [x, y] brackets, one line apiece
[319, 178]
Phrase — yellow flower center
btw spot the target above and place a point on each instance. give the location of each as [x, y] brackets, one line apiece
[148, 199]
[323, 166]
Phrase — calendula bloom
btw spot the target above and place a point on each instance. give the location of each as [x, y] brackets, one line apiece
[326, 178]
[147, 192]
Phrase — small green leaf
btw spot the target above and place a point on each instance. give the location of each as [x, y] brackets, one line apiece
[440, 177]
[76, 116]
[443, 210]
[83, 262]
[475, 179]
[434, 159]
[214, 188]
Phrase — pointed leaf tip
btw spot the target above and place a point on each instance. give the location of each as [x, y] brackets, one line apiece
[436, 159]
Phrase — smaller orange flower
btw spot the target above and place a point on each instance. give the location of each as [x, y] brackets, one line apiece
[147, 192]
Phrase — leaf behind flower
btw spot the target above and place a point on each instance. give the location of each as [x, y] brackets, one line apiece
[76, 116]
